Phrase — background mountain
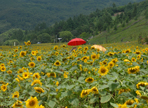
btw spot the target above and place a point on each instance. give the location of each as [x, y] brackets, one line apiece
[26, 14]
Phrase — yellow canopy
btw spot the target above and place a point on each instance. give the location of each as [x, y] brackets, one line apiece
[101, 48]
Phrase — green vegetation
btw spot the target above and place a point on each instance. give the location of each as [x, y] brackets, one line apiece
[111, 24]
[26, 14]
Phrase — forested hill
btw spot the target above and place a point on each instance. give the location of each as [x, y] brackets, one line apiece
[26, 14]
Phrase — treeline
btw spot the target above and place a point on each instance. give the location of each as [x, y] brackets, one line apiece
[83, 26]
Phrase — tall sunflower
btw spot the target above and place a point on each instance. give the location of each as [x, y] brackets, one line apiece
[22, 53]
[4, 87]
[26, 75]
[32, 103]
[94, 90]
[55, 47]
[18, 104]
[111, 64]
[15, 94]
[33, 53]
[36, 81]
[84, 93]
[38, 89]
[36, 75]
[94, 56]
[89, 80]
[141, 84]
[103, 70]
[57, 63]
[3, 69]
[52, 74]
[31, 64]
[39, 58]
[20, 71]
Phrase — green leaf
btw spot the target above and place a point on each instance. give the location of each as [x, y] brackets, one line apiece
[74, 102]
[106, 98]
[114, 105]
[93, 100]
[103, 87]
[113, 86]
[51, 104]
[63, 95]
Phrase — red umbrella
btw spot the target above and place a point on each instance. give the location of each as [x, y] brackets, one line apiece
[76, 41]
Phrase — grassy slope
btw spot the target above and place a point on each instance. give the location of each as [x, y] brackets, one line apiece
[130, 32]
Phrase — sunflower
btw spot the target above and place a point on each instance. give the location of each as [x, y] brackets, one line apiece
[89, 80]
[84, 93]
[64, 59]
[123, 90]
[115, 60]
[94, 90]
[141, 84]
[85, 48]
[103, 70]
[26, 75]
[137, 52]
[32, 103]
[129, 102]
[55, 47]
[16, 50]
[22, 53]
[52, 74]
[33, 53]
[94, 56]
[4, 87]
[133, 59]
[20, 71]
[15, 94]
[85, 58]
[31, 64]
[36, 75]
[92, 47]
[128, 51]
[38, 89]
[63, 45]
[36, 81]
[39, 58]
[56, 53]
[133, 70]
[111, 64]
[28, 43]
[18, 104]
[2, 65]
[3, 68]
[9, 71]
[110, 53]
[57, 63]
[104, 62]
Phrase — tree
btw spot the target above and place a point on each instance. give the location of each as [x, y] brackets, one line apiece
[44, 38]
[65, 35]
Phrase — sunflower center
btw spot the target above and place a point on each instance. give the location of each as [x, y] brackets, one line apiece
[52, 74]
[103, 70]
[32, 103]
[90, 79]
[57, 63]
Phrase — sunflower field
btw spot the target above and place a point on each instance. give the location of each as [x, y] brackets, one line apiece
[55, 77]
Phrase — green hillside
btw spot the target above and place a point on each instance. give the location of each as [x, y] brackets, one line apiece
[26, 14]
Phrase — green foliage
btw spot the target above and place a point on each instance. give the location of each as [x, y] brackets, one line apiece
[65, 35]
[44, 38]
[26, 14]
[11, 42]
